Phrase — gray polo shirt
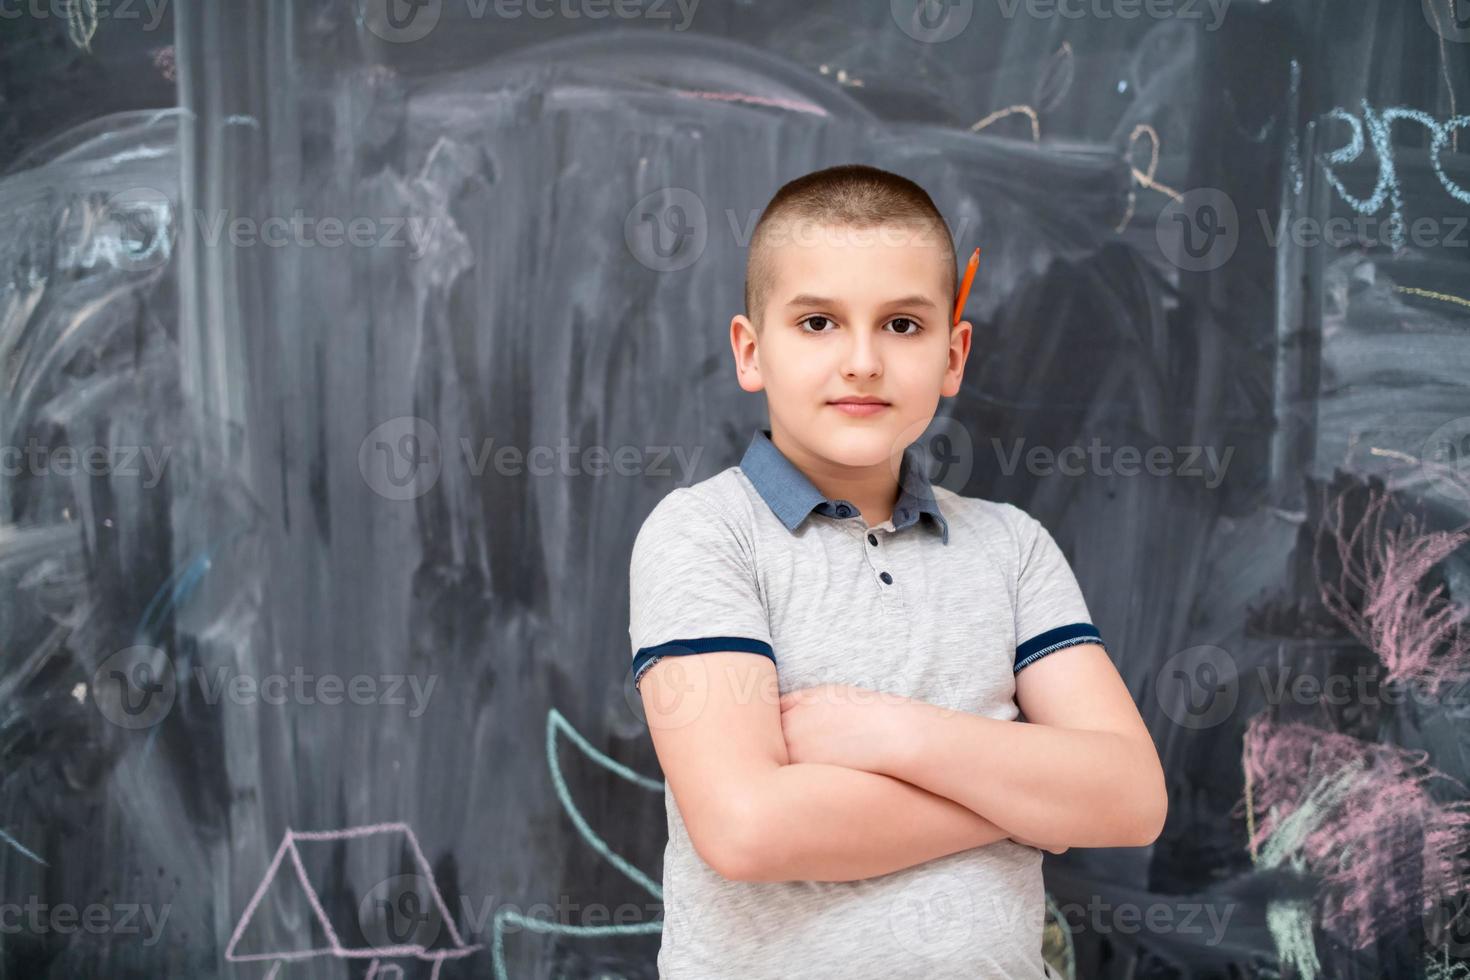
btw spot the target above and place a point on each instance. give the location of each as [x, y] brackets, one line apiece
[943, 602]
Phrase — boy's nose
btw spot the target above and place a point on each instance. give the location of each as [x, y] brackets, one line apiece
[862, 357]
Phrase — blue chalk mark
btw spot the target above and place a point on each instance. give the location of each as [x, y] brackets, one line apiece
[1387, 188]
[178, 587]
[23, 849]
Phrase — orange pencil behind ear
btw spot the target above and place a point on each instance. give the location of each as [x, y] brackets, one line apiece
[959, 306]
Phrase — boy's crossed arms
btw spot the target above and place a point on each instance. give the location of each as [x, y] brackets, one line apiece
[840, 783]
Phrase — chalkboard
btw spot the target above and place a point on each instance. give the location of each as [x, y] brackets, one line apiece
[346, 345]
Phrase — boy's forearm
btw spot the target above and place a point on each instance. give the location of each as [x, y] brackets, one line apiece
[1054, 785]
[817, 822]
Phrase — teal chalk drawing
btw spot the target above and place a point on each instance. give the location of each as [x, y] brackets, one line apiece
[556, 723]
[1290, 922]
[559, 929]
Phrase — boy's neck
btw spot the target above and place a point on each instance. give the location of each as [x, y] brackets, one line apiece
[874, 490]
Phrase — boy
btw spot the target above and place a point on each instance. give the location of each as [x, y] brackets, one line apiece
[849, 790]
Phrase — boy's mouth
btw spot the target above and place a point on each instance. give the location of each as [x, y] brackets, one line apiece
[859, 405]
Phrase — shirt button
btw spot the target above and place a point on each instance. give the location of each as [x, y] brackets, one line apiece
[872, 541]
[887, 579]
[843, 510]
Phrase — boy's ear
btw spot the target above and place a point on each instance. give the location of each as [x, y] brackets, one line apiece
[743, 343]
[959, 352]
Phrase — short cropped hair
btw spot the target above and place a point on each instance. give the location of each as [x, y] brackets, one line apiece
[851, 195]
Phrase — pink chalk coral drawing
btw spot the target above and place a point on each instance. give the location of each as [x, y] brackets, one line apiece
[1363, 817]
[290, 848]
[1420, 636]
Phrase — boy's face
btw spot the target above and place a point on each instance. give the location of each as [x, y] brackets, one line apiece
[854, 312]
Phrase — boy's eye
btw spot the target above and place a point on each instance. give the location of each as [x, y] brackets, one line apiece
[821, 323]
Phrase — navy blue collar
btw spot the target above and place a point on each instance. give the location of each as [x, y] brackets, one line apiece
[792, 496]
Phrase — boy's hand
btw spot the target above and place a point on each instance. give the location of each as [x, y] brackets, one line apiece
[841, 725]
[1054, 848]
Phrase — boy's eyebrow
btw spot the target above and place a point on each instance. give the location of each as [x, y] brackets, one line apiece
[808, 300]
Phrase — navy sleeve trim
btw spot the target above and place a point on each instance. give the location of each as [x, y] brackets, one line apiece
[1053, 640]
[707, 644]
